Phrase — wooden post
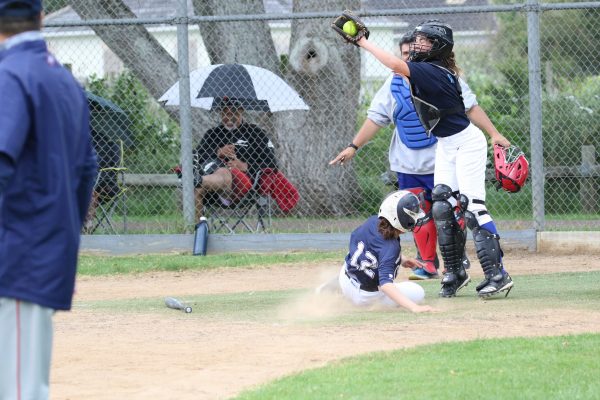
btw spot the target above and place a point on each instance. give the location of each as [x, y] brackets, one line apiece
[588, 190]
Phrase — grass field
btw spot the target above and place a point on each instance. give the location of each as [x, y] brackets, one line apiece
[563, 367]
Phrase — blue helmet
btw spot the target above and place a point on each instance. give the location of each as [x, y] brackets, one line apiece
[440, 35]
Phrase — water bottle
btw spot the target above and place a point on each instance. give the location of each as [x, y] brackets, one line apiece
[201, 237]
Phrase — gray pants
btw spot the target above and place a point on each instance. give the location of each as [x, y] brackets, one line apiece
[26, 349]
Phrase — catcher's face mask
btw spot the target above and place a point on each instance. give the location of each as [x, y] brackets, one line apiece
[512, 168]
[439, 34]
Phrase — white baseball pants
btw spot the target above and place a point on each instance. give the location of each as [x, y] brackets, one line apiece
[25, 349]
[351, 290]
[460, 162]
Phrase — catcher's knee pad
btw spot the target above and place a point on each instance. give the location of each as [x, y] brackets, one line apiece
[487, 246]
[421, 193]
[451, 235]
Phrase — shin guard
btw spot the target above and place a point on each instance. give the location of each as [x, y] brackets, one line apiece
[489, 253]
[451, 239]
[451, 233]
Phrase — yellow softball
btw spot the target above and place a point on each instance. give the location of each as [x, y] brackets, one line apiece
[350, 28]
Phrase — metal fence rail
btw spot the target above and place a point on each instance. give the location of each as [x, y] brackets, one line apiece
[533, 66]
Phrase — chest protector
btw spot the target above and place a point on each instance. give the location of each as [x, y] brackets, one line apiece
[430, 115]
[408, 125]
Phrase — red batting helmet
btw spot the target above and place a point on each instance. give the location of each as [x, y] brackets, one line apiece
[512, 168]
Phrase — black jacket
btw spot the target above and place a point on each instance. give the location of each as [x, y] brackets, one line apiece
[252, 146]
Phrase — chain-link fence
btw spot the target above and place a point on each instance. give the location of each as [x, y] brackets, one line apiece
[253, 141]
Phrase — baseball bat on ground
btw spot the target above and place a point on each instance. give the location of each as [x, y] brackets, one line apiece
[172, 302]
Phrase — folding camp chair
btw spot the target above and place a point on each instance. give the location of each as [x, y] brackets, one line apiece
[110, 196]
[229, 217]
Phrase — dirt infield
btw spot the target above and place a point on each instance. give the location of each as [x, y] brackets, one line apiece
[171, 355]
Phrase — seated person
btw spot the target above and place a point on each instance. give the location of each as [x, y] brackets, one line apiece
[229, 156]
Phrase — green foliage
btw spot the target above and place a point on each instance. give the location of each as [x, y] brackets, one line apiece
[370, 162]
[54, 5]
[570, 102]
[155, 136]
[569, 39]
[504, 205]
[152, 201]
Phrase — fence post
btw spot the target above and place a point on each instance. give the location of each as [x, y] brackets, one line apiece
[185, 115]
[588, 191]
[535, 113]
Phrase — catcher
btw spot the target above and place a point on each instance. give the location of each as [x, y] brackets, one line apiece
[459, 176]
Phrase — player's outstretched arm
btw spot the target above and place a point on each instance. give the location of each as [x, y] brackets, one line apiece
[366, 132]
[393, 293]
[386, 58]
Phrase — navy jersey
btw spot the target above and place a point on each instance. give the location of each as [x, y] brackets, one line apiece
[45, 133]
[438, 87]
[371, 259]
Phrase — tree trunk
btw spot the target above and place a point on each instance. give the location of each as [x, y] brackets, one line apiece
[326, 73]
[243, 42]
[323, 69]
[139, 51]
[133, 44]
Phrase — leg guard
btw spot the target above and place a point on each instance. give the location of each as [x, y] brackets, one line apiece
[425, 236]
[451, 238]
[489, 253]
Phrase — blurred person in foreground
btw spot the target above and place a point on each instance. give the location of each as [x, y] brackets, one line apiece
[47, 172]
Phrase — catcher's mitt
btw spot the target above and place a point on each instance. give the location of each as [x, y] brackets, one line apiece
[361, 29]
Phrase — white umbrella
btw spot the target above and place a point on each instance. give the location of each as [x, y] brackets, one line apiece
[257, 89]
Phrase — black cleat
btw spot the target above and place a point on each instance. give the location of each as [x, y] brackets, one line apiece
[496, 284]
[482, 284]
[453, 282]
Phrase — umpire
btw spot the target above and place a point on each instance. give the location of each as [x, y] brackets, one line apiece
[47, 172]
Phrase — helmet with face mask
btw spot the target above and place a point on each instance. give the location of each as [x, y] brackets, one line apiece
[440, 35]
[511, 167]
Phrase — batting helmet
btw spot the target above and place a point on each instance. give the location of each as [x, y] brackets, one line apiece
[402, 210]
[511, 167]
[440, 35]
